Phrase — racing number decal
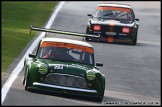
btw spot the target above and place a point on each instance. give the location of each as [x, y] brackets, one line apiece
[58, 66]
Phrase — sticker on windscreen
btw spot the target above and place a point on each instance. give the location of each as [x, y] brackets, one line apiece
[67, 45]
[114, 8]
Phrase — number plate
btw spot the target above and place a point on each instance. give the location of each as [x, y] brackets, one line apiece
[110, 33]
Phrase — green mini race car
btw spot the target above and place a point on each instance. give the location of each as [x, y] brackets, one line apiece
[66, 66]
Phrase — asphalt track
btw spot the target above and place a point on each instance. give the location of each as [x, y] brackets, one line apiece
[132, 72]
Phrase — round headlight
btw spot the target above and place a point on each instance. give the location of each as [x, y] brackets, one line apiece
[43, 69]
[91, 75]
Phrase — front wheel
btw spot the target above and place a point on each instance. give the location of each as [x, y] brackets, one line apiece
[99, 99]
[87, 32]
[26, 82]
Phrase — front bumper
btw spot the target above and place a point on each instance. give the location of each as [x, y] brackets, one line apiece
[112, 37]
[63, 88]
[88, 93]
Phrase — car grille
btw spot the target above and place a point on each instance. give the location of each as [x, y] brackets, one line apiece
[65, 80]
[106, 28]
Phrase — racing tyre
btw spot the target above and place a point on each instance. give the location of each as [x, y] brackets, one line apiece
[99, 99]
[134, 39]
[103, 91]
[87, 39]
[87, 32]
[26, 82]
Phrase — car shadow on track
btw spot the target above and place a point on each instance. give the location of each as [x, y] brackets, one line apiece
[63, 95]
[109, 43]
[106, 100]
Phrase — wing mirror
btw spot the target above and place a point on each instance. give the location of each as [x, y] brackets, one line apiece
[137, 19]
[99, 64]
[32, 56]
[89, 15]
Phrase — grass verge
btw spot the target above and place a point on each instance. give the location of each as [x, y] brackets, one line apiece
[16, 19]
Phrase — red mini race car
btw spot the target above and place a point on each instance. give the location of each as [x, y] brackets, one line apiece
[115, 23]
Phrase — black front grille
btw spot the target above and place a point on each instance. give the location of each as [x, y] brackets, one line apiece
[107, 28]
[116, 29]
[65, 80]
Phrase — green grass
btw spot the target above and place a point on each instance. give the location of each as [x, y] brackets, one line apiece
[16, 19]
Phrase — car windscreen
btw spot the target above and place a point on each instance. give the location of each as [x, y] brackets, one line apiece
[66, 52]
[124, 15]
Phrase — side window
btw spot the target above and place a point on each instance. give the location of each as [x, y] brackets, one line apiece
[91, 59]
[130, 17]
[83, 56]
[42, 52]
[86, 58]
[36, 49]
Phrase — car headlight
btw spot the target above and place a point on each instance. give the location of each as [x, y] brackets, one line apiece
[91, 75]
[43, 69]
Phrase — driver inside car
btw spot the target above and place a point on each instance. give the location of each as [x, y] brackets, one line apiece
[53, 53]
[49, 54]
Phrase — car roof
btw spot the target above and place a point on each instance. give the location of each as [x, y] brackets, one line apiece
[76, 42]
[115, 5]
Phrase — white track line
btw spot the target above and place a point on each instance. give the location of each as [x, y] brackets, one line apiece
[19, 67]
